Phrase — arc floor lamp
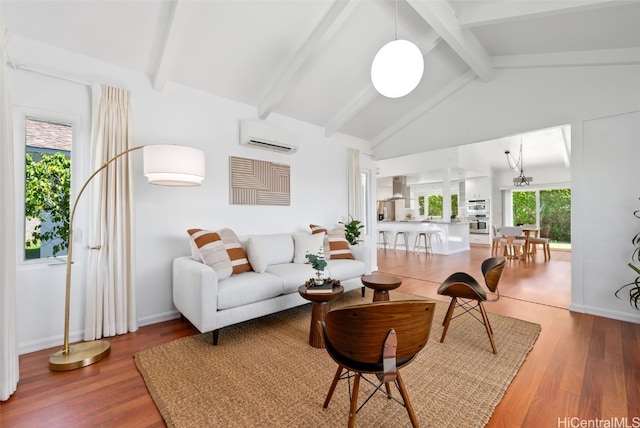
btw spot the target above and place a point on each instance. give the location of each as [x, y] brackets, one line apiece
[165, 165]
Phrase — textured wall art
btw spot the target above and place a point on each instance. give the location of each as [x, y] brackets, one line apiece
[255, 182]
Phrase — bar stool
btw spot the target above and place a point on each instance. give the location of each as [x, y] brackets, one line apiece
[422, 236]
[383, 238]
[405, 237]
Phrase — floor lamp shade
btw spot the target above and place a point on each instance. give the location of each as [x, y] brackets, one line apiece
[397, 68]
[173, 165]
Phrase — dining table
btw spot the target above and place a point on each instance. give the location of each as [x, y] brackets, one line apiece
[529, 231]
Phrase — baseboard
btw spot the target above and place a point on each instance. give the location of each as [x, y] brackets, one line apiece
[48, 342]
[606, 313]
[154, 319]
[78, 336]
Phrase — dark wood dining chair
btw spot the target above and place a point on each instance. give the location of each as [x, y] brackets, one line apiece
[464, 291]
[378, 339]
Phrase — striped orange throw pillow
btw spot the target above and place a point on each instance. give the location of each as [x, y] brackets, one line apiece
[238, 257]
[338, 246]
[211, 251]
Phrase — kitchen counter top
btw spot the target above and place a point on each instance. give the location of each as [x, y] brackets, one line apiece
[452, 237]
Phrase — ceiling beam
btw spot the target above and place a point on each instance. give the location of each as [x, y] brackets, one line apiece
[326, 28]
[368, 94]
[175, 23]
[444, 93]
[623, 56]
[441, 17]
[492, 13]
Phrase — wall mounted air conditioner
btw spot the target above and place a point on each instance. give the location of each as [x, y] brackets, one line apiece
[269, 137]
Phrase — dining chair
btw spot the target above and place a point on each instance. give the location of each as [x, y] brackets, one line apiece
[543, 240]
[378, 339]
[464, 290]
[514, 242]
[497, 239]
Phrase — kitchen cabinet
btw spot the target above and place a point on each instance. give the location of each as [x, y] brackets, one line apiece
[478, 188]
[479, 239]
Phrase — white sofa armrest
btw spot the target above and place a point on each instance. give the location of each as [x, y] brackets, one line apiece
[195, 292]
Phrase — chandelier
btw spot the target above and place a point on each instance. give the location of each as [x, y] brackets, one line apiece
[520, 180]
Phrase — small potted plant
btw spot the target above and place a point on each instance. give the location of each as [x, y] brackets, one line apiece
[352, 230]
[318, 263]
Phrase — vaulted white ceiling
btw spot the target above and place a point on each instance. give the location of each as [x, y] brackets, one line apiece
[311, 59]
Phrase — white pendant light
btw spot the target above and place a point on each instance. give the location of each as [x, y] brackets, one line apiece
[397, 67]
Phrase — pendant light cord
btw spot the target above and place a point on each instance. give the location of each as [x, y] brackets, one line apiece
[396, 19]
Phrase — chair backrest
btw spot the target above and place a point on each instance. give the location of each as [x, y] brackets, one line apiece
[511, 230]
[492, 270]
[496, 230]
[544, 232]
[358, 332]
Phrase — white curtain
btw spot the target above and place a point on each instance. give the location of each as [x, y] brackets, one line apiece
[111, 303]
[9, 370]
[356, 208]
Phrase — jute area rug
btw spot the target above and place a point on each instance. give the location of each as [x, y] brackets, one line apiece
[264, 374]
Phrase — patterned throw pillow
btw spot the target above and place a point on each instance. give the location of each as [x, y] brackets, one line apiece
[338, 246]
[211, 251]
[236, 253]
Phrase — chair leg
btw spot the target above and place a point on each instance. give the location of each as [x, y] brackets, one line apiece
[447, 318]
[487, 325]
[336, 378]
[407, 402]
[354, 401]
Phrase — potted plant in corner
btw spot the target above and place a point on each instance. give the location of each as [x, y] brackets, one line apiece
[318, 263]
[352, 230]
[634, 290]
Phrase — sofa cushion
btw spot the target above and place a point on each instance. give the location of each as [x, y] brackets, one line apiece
[246, 288]
[305, 243]
[274, 249]
[236, 253]
[211, 251]
[343, 269]
[335, 240]
[293, 275]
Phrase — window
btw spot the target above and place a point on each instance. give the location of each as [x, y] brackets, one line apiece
[47, 187]
[435, 205]
[545, 207]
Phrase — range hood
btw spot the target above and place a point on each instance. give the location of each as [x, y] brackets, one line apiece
[400, 190]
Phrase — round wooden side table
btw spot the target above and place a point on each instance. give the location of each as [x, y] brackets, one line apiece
[319, 308]
[381, 285]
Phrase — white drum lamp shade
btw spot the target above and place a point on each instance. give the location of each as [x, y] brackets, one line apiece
[397, 68]
[173, 165]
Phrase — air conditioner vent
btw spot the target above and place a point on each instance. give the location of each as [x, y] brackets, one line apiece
[266, 136]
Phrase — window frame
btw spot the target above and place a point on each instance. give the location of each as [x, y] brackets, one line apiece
[20, 115]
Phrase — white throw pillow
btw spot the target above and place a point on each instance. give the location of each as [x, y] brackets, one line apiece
[305, 243]
[257, 253]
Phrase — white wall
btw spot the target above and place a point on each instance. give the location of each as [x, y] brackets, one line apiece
[176, 116]
[604, 197]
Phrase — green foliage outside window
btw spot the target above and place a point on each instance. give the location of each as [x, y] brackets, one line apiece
[435, 205]
[47, 197]
[555, 211]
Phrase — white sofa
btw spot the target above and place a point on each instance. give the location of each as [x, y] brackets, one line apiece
[210, 304]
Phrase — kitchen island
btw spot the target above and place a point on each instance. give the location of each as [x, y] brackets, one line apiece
[446, 238]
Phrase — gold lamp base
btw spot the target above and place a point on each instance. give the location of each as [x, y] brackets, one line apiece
[79, 355]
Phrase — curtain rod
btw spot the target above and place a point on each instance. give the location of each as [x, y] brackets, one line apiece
[24, 67]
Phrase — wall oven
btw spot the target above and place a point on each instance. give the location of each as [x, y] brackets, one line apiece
[479, 225]
[478, 208]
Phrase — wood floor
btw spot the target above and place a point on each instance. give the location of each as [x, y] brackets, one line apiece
[582, 366]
